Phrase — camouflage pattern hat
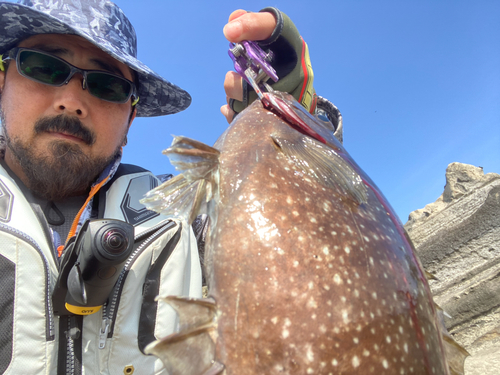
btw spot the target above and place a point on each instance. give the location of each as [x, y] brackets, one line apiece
[103, 24]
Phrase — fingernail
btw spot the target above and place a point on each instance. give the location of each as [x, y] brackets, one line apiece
[232, 30]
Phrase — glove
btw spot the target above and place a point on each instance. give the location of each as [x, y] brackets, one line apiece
[291, 62]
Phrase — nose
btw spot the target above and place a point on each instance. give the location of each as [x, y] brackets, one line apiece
[71, 99]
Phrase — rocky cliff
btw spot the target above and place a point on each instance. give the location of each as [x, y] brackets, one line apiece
[458, 240]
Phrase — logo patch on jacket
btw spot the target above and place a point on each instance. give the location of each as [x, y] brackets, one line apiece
[133, 211]
[6, 200]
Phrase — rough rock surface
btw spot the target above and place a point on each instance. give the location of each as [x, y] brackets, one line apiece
[458, 240]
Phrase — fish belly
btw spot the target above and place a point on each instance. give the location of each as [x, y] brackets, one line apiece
[307, 280]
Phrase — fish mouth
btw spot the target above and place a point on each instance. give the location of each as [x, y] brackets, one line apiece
[292, 114]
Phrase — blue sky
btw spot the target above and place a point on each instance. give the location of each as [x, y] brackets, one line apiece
[417, 82]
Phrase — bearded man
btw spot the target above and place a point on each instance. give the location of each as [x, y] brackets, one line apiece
[70, 87]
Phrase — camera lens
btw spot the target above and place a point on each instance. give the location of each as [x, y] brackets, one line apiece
[115, 241]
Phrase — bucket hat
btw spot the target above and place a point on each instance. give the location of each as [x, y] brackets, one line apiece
[103, 24]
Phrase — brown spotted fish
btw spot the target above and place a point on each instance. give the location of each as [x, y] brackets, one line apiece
[309, 270]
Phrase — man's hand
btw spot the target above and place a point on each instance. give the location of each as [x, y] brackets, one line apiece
[243, 26]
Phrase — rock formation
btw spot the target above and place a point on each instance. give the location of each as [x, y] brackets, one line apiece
[458, 241]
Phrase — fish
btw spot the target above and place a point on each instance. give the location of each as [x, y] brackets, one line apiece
[309, 269]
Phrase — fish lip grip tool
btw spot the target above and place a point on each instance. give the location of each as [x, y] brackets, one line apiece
[253, 64]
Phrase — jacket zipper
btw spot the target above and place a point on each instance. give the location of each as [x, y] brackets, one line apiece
[48, 306]
[109, 309]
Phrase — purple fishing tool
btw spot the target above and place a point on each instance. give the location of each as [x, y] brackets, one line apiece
[253, 64]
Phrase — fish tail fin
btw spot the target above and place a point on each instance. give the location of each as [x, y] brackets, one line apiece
[185, 196]
[191, 350]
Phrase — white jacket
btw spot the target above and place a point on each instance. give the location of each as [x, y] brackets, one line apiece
[165, 261]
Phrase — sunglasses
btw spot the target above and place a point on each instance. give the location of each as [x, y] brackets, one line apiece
[53, 71]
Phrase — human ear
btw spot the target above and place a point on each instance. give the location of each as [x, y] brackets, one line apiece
[130, 120]
[132, 116]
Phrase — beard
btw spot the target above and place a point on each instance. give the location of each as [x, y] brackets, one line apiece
[64, 170]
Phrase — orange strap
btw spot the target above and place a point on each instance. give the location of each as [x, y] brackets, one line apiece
[72, 231]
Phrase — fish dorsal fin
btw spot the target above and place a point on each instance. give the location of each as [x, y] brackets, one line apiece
[184, 196]
[191, 350]
[324, 165]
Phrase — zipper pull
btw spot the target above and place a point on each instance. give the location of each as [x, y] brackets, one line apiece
[103, 333]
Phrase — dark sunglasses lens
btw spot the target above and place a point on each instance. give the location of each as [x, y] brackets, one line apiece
[43, 68]
[108, 87]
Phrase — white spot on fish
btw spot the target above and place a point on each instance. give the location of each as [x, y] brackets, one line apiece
[374, 295]
[385, 363]
[355, 361]
[366, 353]
[313, 220]
[345, 316]
[355, 340]
[312, 304]
[347, 249]
[289, 200]
[295, 263]
[335, 362]
[336, 279]
[310, 353]
[285, 333]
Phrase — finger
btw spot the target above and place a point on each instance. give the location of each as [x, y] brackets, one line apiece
[236, 14]
[227, 112]
[233, 86]
[250, 26]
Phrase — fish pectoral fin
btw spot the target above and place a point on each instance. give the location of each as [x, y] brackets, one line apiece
[217, 368]
[185, 196]
[178, 198]
[192, 312]
[455, 353]
[324, 165]
[191, 350]
[194, 159]
[185, 353]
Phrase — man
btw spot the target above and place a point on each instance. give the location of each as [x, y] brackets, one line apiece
[70, 87]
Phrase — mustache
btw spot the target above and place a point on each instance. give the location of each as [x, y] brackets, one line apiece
[65, 124]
